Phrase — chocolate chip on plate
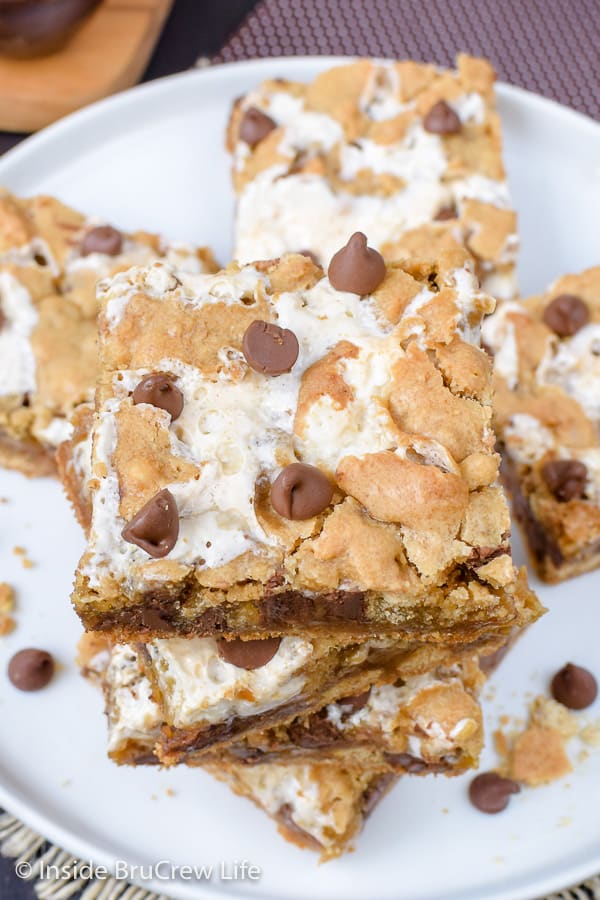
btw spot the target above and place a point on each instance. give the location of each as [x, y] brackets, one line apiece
[31, 669]
[161, 391]
[565, 478]
[103, 239]
[574, 687]
[155, 527]
[2, 320]
[490, 792]
[269, 349]
[566, 314]
[248, 654]
[300, 492]
[442, 119]
[356, 267]
[445, 213]
[255, 126]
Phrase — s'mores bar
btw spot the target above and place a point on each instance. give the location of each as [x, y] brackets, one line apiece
[50, 260]
[406, 152]
[319, 806]
[421, 724]
[547, 381]
[276, 450]
[209, 694]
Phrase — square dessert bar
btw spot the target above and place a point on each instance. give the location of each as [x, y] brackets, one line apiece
[280, 451]
[547, 408]
[420, 724]
[406, 152]
[320, 806]
[205, 694]
[50, 259]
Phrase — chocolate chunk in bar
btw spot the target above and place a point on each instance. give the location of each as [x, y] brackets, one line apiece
[161, 391]
[248, 654]
[300, 492]
[255, 126]
[31, 669]
[445, 213]
[375, 792]
[356, 268]
[314, 733]
[442, 119]
[566, 315]
[565, 478]
[103, 239]
[269, 349]
[351, 705]
[155, 528]
[574, 687]
[490, 792]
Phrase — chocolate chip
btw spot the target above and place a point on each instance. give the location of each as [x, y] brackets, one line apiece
[269, 349]
[300, 492]
[351, 705]
[155, 527]
[31, 669]
[161, 391]
[314, 733]
[442, 119]
[490, 792]
[2, 320]
[445, 213]
[356, 267]
[255, 126]
[574, 687]
[566, 314]
[103, 239]
[248, 654]
[565, 478]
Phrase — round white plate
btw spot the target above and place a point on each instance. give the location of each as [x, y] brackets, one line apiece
[154, 158]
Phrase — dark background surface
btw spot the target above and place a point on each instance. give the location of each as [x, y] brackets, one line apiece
[195, 28]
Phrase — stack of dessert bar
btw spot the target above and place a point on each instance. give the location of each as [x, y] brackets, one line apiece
[298, 567]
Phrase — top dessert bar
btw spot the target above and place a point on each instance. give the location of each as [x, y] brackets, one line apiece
[50, 259]
[547, 374]
[273, 454]
[407, 153]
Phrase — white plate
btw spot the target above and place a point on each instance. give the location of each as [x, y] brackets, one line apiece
[154, 158]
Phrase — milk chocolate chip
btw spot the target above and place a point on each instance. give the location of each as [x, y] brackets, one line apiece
[248, 654]
[574, 687]
[490, 792]
[103, 239]
[442, 119]
[155, 527]
[356, 267]
[31, 669]
[565, 478]
[300, 492]
[255, 126]
[161, 391]
[566, 314]
[269, 349]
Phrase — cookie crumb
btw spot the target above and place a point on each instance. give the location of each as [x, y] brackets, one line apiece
[7, 598]
[590, 734]
[538, 756]
[7, 625]
[549, 713]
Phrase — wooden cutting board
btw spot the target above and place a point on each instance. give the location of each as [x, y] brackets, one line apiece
[108, 53]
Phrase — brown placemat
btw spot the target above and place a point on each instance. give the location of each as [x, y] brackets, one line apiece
[546, 46]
